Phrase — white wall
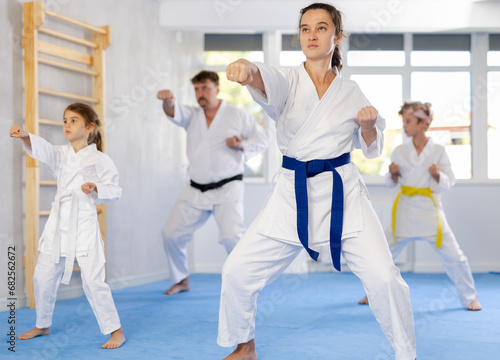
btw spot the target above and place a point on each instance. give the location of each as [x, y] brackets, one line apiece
[147, 150]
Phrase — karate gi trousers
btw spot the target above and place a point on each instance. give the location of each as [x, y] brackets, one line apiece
[258, 260]
[185, 219]
[454, 261]
[48, 276]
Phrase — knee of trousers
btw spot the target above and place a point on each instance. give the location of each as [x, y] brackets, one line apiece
[37, 278]
[383, 276]
[171, 236]
[232, 273]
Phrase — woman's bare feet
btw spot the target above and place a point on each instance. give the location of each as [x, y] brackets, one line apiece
[475, 305]
[179, 287]
[34, 333]
[363, 301]
[244, 351]
[116, 340]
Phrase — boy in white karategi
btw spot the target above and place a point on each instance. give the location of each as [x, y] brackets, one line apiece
[85, 177]
[218, 135]
[320, 197]
[422, 170]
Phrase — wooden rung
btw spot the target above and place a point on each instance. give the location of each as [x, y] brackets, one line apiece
[48, 183]
[76, 269]
[51, 122]
[67, 66]
[67, 37]
[65, 53]
[68, 95]
[75, 22]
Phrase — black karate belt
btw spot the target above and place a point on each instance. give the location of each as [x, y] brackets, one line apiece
[215, 185]
[307, 169]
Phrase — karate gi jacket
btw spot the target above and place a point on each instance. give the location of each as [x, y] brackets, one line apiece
[210, 159]
[71, 171]
[311, 128]
[417, 216]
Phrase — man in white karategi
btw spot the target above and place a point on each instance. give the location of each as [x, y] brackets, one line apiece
[218, 135]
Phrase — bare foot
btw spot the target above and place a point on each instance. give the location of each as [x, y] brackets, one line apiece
[179, 287]
[475, 305]
[116, 340]
[34, 333]
[244, 351]
[363, 301]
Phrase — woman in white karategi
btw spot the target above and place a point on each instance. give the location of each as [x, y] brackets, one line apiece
[319, 115]
[85, 177]
[422, 170]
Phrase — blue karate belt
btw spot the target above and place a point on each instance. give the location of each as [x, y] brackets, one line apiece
[304, 170]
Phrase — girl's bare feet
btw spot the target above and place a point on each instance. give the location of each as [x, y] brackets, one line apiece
[475, 305]
[363, 301]
[179, 287]
[116, 340]
[244, 351]
[34, 333]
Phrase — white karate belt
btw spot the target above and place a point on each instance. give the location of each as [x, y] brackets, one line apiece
[65, 195]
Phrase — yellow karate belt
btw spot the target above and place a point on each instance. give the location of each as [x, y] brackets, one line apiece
[412, 191]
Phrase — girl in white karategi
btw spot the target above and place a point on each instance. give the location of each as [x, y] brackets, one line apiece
[422, 170]
[319, 115]
[85, 177]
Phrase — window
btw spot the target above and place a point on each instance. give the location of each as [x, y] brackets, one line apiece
[493, 124]
[443, 69]
[449, 94]
[376, 50]
[291, 53]
[222, 49]
[494, 52]
[441, 50]
[493, 99]
[386, 92]
[423, 79]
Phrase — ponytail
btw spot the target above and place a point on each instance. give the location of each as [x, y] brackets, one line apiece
[95, 136]
[337, 59]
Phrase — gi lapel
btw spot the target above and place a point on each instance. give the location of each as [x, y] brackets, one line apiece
[207, 134]
[319, 111]
[76, 162]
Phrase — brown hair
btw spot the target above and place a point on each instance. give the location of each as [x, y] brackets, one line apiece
[204, 75]
[337, 21]
[415, 106]
[90, 116]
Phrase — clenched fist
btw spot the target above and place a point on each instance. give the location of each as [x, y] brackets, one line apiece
[87, 188]
[17, 132]
[367, 117]
[167, 96]
[241, 71]
[234, 142]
